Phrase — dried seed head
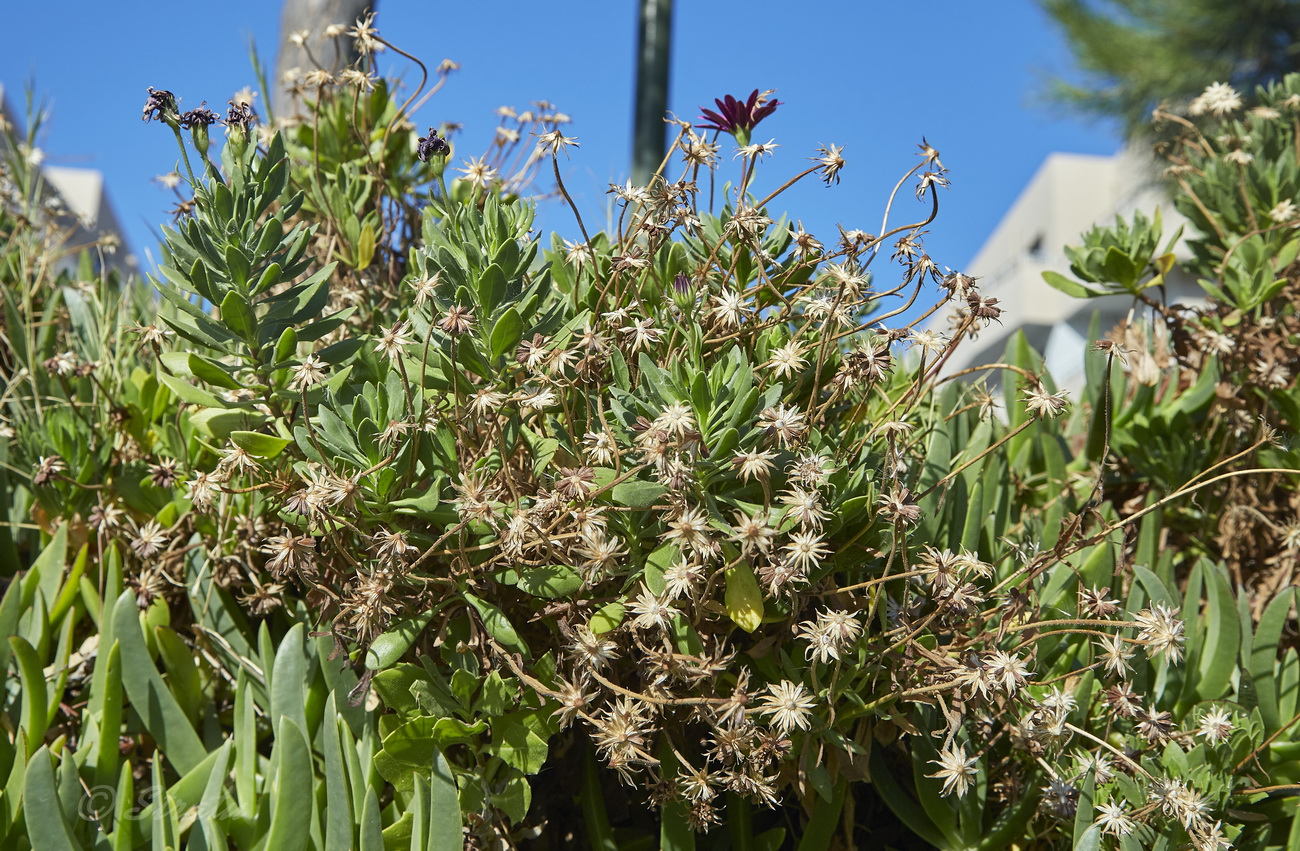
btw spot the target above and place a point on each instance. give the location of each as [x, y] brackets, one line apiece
[830, 161]
[788, 705]
[955, 770]
[459, 320]
[1160, 631]
[47, 467]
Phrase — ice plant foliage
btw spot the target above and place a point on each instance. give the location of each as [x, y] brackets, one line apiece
[391, 503]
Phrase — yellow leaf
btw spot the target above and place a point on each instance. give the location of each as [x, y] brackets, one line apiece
[366, 246]
[744, 598]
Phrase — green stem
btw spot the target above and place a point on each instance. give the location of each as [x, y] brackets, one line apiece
[185, 155]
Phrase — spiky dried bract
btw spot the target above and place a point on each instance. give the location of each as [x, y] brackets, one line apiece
[788, 705]
[955, 770]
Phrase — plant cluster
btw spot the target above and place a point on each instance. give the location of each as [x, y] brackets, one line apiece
[388, 503]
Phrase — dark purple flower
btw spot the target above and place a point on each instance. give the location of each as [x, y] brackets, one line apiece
[682, 283]
[738, 117]
[431, 146]
[160, 104]
[241, 115]
[201, 117]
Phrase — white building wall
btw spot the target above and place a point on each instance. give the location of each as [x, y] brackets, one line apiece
[1067, 196]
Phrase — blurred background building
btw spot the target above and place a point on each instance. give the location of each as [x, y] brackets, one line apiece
[1067, 196]
[78, 196]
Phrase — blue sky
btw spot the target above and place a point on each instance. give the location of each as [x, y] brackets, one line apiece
[873, 77]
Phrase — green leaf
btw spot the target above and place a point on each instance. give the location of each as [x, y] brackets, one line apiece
[507, 332]
[335, 433]
[608, 617]
[300, 303]
[47, 572]
[12, 795]
[544, 449]
[11, 609]
[1263, 656]
[60, 664]
[182, 671]
[187, 392]
[445, 819]
[239, 317]
[395, 687]
[291, 676]
[725, 443]
[221, 201]
[740, 821]
[372, 825]
[68, 787]
[71, 587]
[220, 424]
[908, 811]
[108, 719]
[259, 444]
[1070, 287]
[124, 836]
[552, 582]
[491, 288]
[270, 277]
[188, 363]
[825, 819]
[600, 836]
[1155, 589]
[418, 810]
[1293, 835]
[161, 807]
[515, 741]
[411, 747]
[657, 379]
[435, 698]
[1196, 396]
[244, 722]
[498, 626]
[385, 650]
[199, 279]
[1090, 840]
[1223, 636]
[1119, 268]
[675, 832]
[291, 789]
[428, 504]
[45, 826]
[286, 348]
[974, 511]
[618, 365]
[638, 494]
[819, 778]
[210, 803]
[496, 697]
[35, 697]
[655, 565]
[338, 800]
[149, 695]
[514, 799]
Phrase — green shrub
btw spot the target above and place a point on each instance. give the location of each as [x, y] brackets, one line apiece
[388, 500]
